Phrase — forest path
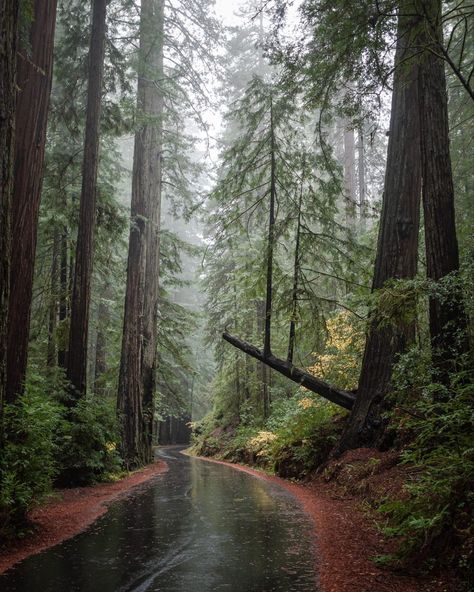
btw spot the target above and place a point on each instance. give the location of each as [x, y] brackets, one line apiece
[201, 526]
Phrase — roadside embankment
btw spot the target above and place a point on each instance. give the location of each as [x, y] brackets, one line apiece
[70, 512]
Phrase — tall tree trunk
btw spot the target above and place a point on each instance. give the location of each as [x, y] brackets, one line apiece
[361, 178]
[271, 240]
[296, 274]
[349, 176]
[397, 249]
[63, 297]
[261, 369]
[8, 39]
[153, 148]
[238, 382]
[447, 316]
[78, 334]
[130, 388]
[138, 359]
[53, 304]
[103, 318]
[34, 76]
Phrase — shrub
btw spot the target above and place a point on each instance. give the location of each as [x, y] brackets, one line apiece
[87, 443]
[27, 464]
[306, 437]
[296, 438]
[339, 362]
[436, 517]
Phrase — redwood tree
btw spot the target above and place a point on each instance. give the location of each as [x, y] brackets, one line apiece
[397, 248]
[137, 364]
[34, 76]
[154, 145]
[78, 335]
[8, 35]
[447, 316]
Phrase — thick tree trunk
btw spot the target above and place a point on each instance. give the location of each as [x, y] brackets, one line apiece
[152, 148]
[130, 387]
[138, 359]
[397, 249]
[447, 316]
[8, 39]
[78, 334]
[103, 320]
[34, 76]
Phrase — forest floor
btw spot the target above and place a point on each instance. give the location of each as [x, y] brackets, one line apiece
[70, 511]
[347, 539]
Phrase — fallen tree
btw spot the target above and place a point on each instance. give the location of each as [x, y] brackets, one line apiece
[340, 397]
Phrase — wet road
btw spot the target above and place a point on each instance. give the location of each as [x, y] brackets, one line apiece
[200, 527]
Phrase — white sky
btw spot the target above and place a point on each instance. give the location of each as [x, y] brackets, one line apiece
[225, 10]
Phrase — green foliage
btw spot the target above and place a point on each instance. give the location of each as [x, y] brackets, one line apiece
[27, 461]
[226, 405]
[87, 442]
[306, 433]
[434, 518]
[295, 439]
[340, 360]
[46, 442]
[269, 118]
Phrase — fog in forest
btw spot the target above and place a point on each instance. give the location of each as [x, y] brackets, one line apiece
[244, 227]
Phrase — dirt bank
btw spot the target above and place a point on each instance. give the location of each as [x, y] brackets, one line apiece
[71, 512]
[346, 535]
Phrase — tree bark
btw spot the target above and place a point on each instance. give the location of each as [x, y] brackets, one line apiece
[63, 296]
[447, 316]
[34, 76]
[271, 239]
[103, 320]
[78, 334]
[153, 148]
[296, 274]
[53, 304]
[8, 42]
[397, 249]
[261, 369]
[138, 358]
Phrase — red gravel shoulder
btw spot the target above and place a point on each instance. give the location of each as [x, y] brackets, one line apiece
[346, 540]
[75, 510]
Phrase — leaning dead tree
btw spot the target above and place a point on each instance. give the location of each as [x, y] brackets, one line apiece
[340, 397]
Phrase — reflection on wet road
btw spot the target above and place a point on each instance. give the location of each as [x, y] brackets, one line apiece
[200, 527]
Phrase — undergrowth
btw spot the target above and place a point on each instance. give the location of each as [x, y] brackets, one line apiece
[294, 440]
[433, 522]
[46, 443]
[27, 463]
